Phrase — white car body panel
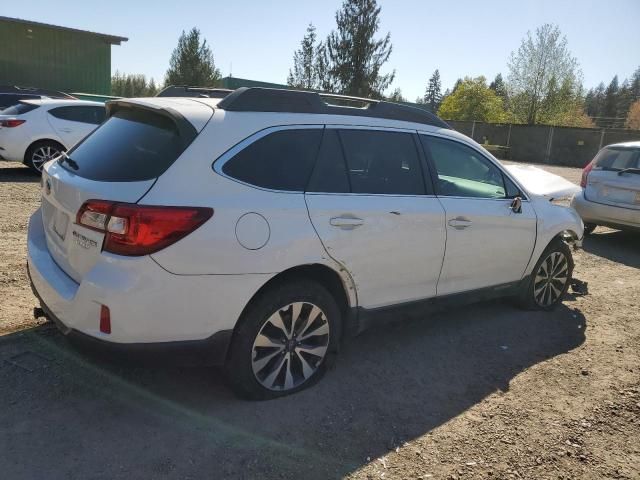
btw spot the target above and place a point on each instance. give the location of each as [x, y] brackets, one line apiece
[40, 125]
[491, 246]
[395, 255]
[200, 284]
[540, 182]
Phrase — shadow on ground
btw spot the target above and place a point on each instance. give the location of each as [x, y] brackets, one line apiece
[18, 174]
[74, 416]
[615, 245]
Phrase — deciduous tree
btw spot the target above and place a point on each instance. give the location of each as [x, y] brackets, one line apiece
[473, 100]
[540, 57]
[633, 117]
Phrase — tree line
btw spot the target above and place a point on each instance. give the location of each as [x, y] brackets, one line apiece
[543, 84]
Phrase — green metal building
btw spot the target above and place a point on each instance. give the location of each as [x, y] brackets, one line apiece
[47, 56]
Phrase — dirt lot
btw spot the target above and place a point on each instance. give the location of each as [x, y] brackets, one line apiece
[481, 392]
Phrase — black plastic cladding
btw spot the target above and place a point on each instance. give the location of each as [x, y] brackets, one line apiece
[258, 99]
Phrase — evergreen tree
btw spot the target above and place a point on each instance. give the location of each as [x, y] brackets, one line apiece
[610, 108]
[323, 74]
[433, 94]
[304, 72]
[356, 57]
[396, 96]
[132, 85]
[192, 62]
[499, 86]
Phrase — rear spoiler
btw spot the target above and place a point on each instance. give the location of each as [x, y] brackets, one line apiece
[185, 128]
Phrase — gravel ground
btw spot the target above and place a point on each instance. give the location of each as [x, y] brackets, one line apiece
[482, 392]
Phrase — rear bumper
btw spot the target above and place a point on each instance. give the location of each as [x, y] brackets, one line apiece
[151, 309]
[210, 351]
[608, 215]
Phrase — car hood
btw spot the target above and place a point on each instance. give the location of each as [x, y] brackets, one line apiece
[540, 182]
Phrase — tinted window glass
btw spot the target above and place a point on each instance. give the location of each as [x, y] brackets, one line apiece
[18, 109]
[93, 115]
[463, 172]
[132, 145]
[617, 159]
[282, 160]
[330, 172]
[382, 162]
[8, 100]
[511, 188]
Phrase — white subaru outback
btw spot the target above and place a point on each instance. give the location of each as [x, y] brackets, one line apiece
[260, 229]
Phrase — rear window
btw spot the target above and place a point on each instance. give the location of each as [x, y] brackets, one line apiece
[8, 99]
[82, 114]
[132, 145]
[18, 109]
[617, 159]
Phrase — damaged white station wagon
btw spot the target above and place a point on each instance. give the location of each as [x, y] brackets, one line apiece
[261, 228]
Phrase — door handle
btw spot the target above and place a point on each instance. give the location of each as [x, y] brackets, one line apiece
[460, 223]
[346, 222]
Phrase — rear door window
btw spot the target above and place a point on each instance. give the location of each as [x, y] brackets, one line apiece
[132, 145]
[382, 162]
[18, 109]
[281, 160]
[330, 172]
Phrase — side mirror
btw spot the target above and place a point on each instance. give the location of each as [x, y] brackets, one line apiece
[516, 205]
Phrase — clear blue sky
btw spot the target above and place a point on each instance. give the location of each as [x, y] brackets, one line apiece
[466, 37]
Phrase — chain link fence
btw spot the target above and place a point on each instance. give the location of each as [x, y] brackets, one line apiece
[570, 146]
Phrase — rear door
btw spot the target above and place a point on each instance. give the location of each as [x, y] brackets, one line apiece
[615, 178]
[487, 243]
[119, 161]
[73, 123]
[375, 214]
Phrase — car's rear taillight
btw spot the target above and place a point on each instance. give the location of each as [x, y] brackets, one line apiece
[585, 174]
[12, 122]
[135, 230]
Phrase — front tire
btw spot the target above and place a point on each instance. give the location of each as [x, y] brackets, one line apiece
[549, 279]
[283, 340]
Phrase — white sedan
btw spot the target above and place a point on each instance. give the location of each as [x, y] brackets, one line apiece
[35, 131]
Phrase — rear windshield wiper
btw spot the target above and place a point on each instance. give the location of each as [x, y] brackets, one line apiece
[629, 170]
[70, 162]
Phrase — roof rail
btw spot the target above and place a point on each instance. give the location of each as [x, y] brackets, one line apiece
[258, 99]
[194, 92]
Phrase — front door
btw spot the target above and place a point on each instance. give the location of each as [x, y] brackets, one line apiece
[487, 242]
[368, 202]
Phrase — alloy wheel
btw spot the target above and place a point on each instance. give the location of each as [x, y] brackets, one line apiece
[290, 346]
[551, 279]
[42, 155]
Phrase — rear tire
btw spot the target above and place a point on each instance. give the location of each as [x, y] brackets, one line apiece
[268, 358]
[549, 279]
[40, 153]
[589, 228]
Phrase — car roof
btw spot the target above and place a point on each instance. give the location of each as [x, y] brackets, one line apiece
[57, 102]
[634, 144]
